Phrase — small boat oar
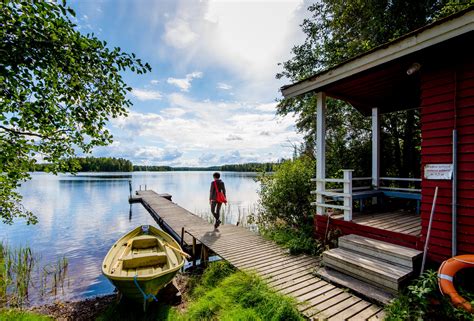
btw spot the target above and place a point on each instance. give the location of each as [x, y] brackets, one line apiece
[186, 255]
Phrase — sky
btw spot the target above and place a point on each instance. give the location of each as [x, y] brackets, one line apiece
[211, 95]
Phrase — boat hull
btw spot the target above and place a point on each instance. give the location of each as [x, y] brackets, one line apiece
[136, 282]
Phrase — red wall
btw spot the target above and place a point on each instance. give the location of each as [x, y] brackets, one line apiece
[443, 89]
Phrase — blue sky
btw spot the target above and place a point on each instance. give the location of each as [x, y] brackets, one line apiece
[210, 98]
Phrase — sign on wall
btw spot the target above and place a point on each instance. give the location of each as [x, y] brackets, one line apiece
[439, 171]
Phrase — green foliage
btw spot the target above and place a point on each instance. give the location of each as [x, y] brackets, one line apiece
[20, 315]
[58, 88]
[237, 296]
[300, 240]
[339, 30]
[286, 195]
[423, 301]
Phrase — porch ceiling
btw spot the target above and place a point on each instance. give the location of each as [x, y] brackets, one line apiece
[387, 87]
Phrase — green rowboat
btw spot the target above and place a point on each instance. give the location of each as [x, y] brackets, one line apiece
[142, 262]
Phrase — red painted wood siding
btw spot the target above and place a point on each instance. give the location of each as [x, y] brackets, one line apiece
[443, 88]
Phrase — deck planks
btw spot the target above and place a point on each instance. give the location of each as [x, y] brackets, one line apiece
[291, 275]
[401, 222]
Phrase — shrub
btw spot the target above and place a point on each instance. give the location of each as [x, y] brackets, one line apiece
[297, 241]
[422, 300]
[286, 195]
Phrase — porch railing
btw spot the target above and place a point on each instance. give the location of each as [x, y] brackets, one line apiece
[401, 189]
[346, 194]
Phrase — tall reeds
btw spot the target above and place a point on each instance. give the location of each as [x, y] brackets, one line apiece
[20, 272]
[54, 276]
[16, 267]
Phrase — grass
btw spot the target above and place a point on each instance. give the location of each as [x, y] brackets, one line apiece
[220, 293]
[422, 300]
[224, 294]
[19, 315]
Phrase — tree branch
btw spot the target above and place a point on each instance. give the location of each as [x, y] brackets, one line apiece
[18, 132]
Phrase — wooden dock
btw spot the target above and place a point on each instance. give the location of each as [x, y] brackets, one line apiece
[291, 275]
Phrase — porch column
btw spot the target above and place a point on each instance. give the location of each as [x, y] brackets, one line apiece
[375, 148]
[320, 150]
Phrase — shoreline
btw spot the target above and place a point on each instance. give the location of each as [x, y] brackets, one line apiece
[86, 309]
[92, 307]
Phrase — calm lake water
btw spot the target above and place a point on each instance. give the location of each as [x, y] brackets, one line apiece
[80, 217]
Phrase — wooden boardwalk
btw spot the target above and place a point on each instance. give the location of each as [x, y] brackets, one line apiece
[291, 275]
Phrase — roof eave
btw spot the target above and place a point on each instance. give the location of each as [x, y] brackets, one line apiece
[426, 37]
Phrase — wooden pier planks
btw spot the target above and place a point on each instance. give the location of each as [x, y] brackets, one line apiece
[292, 275]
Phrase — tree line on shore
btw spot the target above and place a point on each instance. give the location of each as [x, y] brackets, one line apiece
[112, 164]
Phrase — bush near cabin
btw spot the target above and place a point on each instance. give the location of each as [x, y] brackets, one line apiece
[422, 300]
[285, 212]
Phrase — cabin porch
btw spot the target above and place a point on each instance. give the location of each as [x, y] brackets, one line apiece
[397, 227]
[399, 221]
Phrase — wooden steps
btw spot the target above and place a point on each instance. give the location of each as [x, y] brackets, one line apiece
[381, 264]
[387, 252]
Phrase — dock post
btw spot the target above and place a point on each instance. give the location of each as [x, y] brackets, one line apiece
[194, 252]
[205, 255]
[182, 237]
[130, 187]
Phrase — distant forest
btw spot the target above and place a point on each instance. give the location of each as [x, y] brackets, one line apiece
[249, 167]
[110, 164]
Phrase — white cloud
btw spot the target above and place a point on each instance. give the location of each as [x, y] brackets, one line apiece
[154, 81]
[185, 83]
[178, 33]
[174, 112]
[145, 94]
[223, 86]
[140, 154]
[246, 38]
[270, 107]
[219, 128]
[234, 137]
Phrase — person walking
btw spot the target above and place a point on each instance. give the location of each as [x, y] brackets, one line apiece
[217, 187]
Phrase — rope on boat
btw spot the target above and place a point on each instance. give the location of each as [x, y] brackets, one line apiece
[145, 296]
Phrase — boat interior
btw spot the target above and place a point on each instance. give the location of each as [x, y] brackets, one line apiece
[141, 255]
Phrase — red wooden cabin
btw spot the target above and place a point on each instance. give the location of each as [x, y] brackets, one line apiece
[431, 69]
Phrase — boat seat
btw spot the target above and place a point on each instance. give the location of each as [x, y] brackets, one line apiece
[144, 242]
[138, 260]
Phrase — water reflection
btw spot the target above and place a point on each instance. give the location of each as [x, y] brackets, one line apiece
[81, 216]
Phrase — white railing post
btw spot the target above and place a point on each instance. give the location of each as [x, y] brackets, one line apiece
[348, 194]
[320, 150]
[375, 148]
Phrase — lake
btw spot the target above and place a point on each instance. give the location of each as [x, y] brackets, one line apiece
[80, 217]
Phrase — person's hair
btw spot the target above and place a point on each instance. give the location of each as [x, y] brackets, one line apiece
[216, 175]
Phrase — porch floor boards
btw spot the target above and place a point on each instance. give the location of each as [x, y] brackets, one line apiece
[398, 221]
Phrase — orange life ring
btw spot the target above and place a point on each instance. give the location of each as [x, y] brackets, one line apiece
[446, 273]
